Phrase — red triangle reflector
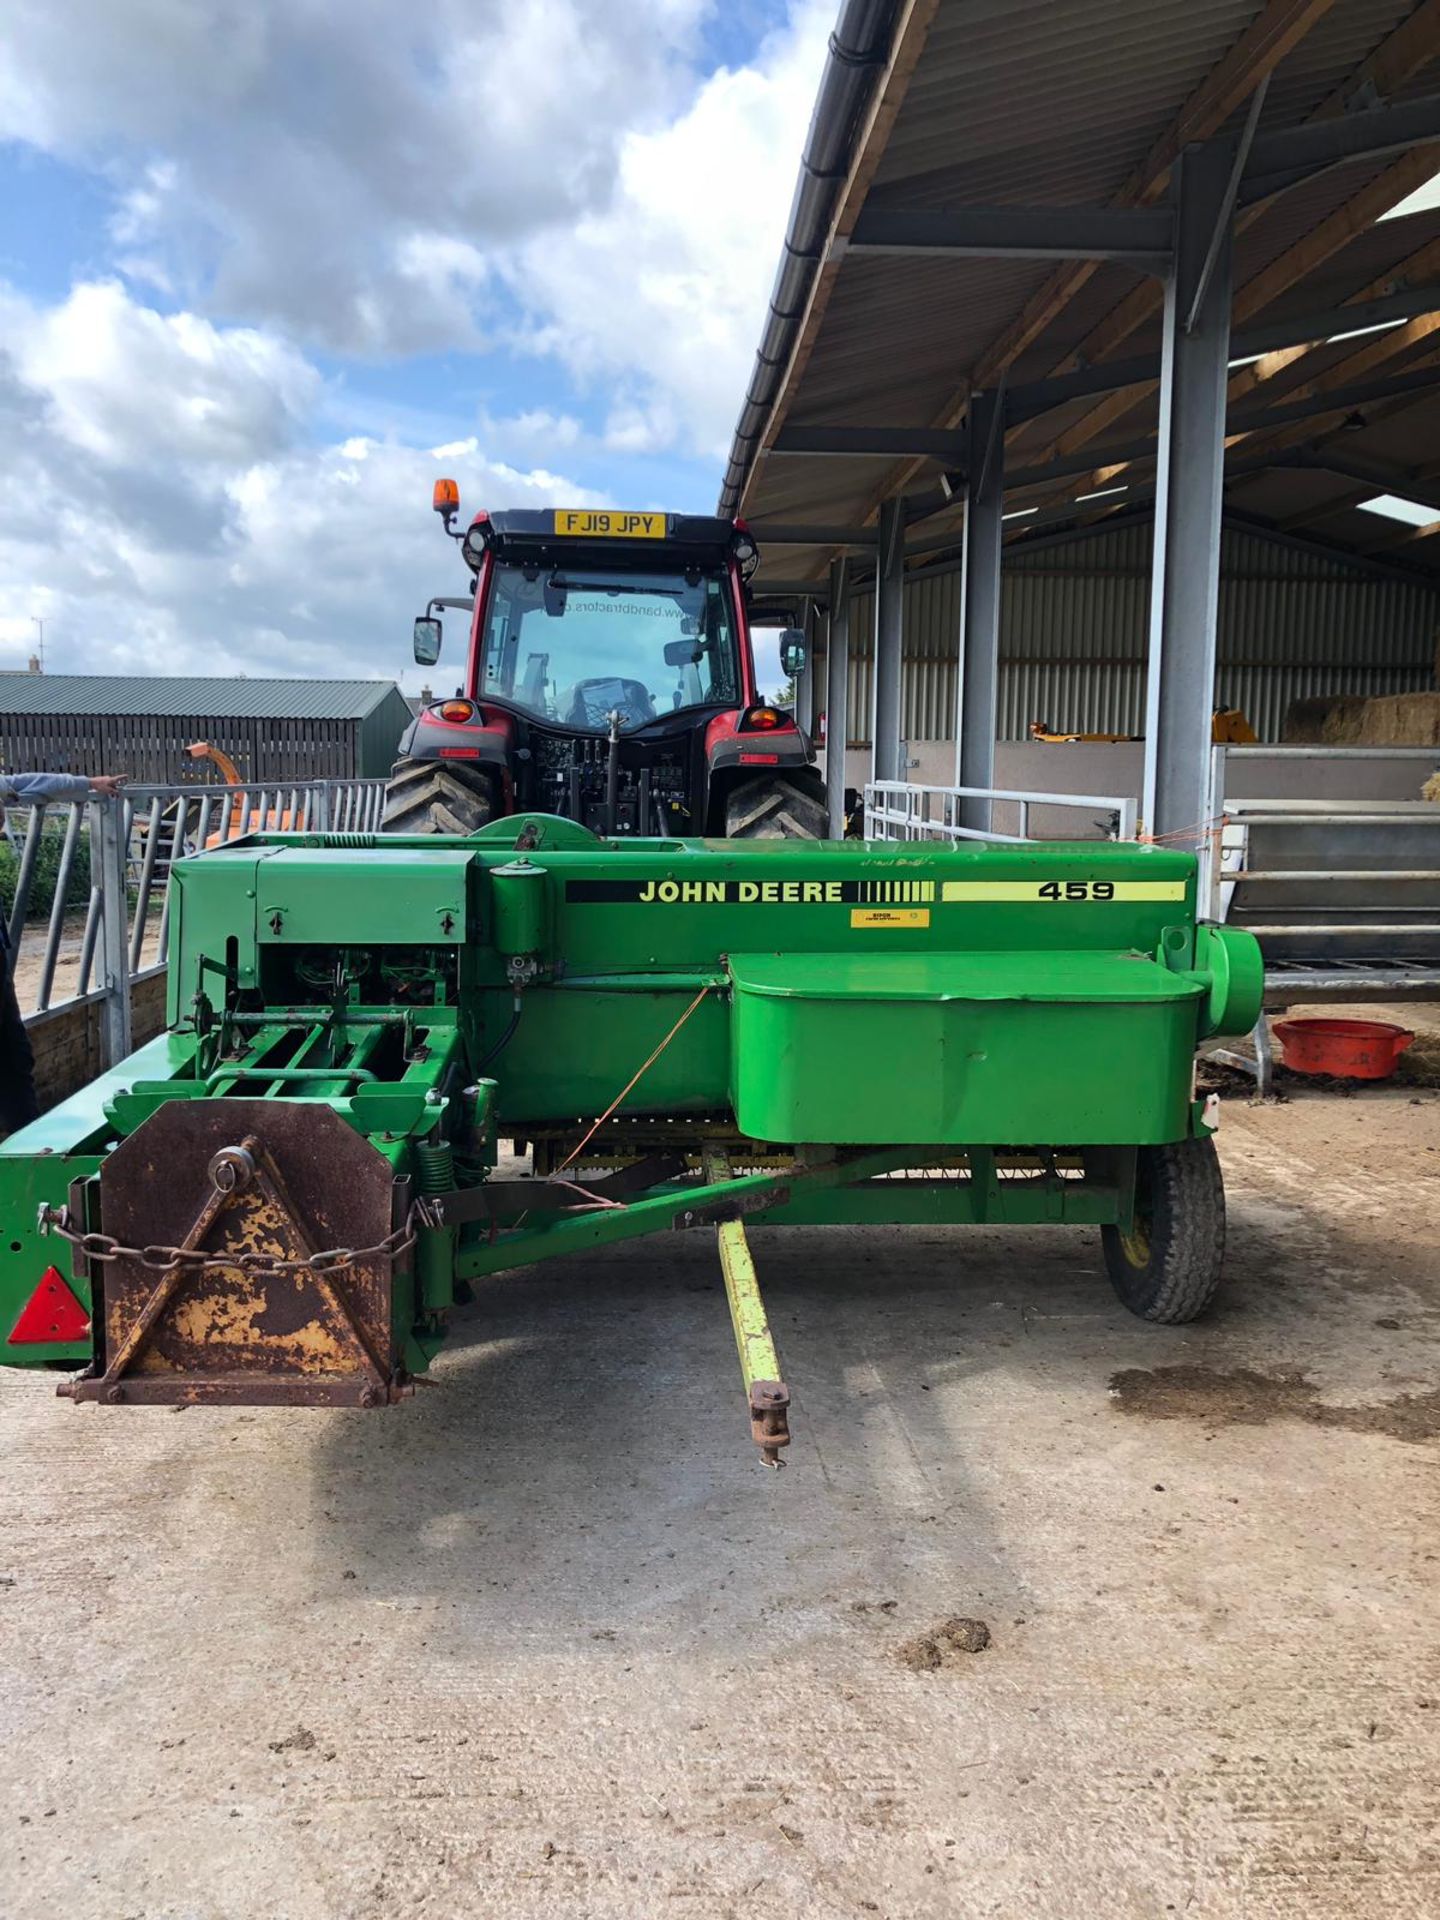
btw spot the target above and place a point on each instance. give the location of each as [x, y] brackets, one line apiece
[51, 1313]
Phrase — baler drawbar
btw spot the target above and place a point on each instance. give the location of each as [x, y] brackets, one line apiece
[281, 1199]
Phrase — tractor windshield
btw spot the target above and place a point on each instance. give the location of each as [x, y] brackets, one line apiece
[574, 644]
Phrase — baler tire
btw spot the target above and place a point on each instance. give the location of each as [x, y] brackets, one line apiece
[426, 796]
[768, 809]
[1167, 1269]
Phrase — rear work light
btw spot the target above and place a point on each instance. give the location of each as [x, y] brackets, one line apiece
[764, 720]
[476, 534]
[458, 711]
[742, 545]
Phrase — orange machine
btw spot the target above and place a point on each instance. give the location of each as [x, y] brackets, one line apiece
[271, 820]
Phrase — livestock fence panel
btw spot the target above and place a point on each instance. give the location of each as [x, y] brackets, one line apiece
[85, 884]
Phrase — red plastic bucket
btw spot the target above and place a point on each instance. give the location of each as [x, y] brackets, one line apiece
[1349, 1049]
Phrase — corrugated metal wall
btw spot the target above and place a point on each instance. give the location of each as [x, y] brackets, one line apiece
[1073, 633]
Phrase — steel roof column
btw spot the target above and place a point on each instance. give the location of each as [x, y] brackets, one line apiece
[886, 756]
[1190, 473]
[978, 703]
[837, 696]
[805, 679]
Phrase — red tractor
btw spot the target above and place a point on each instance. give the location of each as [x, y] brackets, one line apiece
[609, 679]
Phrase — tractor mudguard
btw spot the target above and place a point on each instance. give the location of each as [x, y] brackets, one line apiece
[452, 775]
[762, 785]
[788, 749]
[488, 740]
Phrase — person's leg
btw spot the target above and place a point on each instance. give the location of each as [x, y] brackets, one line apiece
[18, 1106]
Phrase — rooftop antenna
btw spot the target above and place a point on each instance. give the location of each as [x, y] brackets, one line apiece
[40, 629]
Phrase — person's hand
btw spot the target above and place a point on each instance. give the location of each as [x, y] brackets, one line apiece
[107, 785]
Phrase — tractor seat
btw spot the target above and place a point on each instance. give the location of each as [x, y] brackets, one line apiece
[590, 701]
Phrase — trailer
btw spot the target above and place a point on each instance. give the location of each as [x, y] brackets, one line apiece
[282, 1198]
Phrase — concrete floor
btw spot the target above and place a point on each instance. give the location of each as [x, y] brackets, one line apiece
[548, 1640]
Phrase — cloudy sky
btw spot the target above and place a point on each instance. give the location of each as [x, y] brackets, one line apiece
[268, 267]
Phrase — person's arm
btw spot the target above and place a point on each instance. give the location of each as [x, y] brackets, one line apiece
[16, 789]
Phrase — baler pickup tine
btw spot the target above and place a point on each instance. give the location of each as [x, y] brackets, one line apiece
[769, 1397]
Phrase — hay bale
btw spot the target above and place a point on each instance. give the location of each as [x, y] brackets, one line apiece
[1401, 720]
[1305, 719]
[1342, 725]
[1431, 788]
[1351, 720]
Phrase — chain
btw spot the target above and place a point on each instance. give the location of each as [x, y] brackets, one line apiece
[104, 1246]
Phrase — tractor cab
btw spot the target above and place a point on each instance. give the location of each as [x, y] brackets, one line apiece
[608, 678]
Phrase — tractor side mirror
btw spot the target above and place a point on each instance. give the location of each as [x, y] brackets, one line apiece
[682, 653]
[793, 651]
[427, 641]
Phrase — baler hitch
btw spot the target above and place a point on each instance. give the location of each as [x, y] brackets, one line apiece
[243, 1306]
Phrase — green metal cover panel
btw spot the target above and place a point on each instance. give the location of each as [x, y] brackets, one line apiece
[380, 897]
[638, 907]
[1052, 976]
[574, 1050]
[1068, 1049]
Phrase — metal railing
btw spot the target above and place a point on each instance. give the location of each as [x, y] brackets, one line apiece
[1321, 823]
[898, 810]
[1342, 894]
[107, 867]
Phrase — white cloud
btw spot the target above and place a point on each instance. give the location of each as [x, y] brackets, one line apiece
[633, 426]
[298, 163]
[218, 537]
[134, 386]
[181, 489]
[664, 289]
[385, 180]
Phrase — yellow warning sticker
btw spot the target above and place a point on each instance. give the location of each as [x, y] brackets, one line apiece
[890, 916]
[1062, 890]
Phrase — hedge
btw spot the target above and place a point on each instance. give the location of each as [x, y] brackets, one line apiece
[47, 866]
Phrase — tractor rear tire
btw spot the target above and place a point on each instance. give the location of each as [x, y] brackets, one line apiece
[768, 809]
[431, 796]
[1167, 1267]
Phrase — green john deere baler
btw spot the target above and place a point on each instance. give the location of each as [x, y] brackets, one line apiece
[281, 1198]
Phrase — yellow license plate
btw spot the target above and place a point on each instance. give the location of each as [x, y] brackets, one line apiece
[591, 525]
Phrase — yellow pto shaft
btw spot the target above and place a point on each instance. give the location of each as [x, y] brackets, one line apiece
[769, 1397]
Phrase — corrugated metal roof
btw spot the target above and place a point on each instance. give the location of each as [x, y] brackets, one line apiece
[1029, 103]
[185, 696]
[1026, 102]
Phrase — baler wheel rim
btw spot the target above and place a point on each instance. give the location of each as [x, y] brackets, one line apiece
[1136, 1243]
